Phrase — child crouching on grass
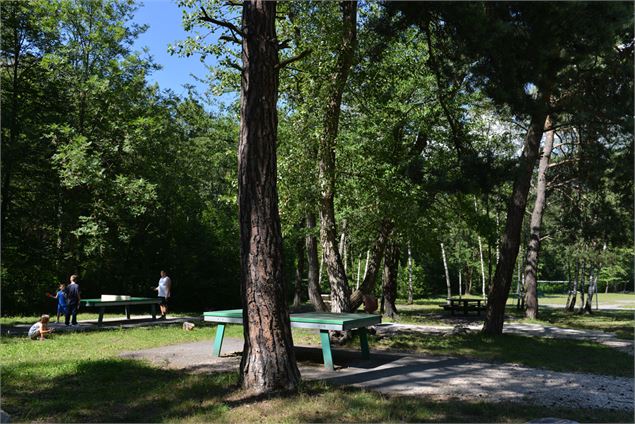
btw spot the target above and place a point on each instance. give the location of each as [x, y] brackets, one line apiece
[40, 328]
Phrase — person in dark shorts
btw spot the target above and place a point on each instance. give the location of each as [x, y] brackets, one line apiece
[164, 289]
[72, 300]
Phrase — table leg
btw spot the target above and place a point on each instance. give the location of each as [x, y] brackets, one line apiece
[100, 320]
[127, 312]
[218, 340]
[153, 311]
[363, 342]
[464, 308]
[326, 349]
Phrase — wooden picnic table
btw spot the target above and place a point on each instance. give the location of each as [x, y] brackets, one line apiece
[103, 304]
[323, 321]
[465, 304]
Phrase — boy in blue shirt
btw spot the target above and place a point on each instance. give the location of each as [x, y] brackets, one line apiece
[61, 301]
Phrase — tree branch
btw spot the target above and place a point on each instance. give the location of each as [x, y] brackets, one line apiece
[286, 62]
[205, 17]
[230, 38]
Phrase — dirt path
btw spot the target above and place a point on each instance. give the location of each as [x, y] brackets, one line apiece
[432, 376]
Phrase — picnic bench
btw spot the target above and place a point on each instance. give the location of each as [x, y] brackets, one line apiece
[464, 304]
[323, 321]
[103, 304]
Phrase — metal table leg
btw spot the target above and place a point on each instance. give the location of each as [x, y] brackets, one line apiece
[363, 342]
[218, 340]
[326, 350]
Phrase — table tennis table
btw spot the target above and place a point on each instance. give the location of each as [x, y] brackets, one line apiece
[103, 304]
[323, 321]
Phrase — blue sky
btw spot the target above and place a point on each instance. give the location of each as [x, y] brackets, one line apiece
[164, 20]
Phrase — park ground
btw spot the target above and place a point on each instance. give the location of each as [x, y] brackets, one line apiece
[153, 373]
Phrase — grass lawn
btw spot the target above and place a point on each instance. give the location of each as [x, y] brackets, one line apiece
[83, 315]
[78, 377]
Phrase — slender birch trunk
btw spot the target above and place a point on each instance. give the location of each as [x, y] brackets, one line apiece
[410, 300]
[447, 274]
[533, 248]
[366, 266]
[359, 268]
[582, 281]
[574, 296]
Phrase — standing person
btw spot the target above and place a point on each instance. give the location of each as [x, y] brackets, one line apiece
[164, 289]
[72, 300]
[39, 329]
[61, 300]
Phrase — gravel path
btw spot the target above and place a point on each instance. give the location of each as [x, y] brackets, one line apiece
[432, 376]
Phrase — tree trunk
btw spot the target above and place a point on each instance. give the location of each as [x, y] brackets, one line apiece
[340, 292]
[299, 273]
[391, 265]
[582, 281]
[359, 269]
[447, 274]
[313, 275]
[574, 297]
[480, 251]
[510, 241]
[588, 306]
[268, 361]
[533, 248]
[410, 300]
[377, 252]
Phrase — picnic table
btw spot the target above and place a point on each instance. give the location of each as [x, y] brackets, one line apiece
[465, 304]
[103, 304]
[323, 321]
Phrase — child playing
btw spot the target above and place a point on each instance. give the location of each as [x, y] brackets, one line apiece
[61, 301]
[39, 329]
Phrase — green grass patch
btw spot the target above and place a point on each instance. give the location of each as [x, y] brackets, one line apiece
[555, 354]
[79, 378]
[136, 312]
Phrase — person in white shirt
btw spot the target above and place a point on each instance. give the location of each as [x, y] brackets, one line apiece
[164, 290]
[40, 328]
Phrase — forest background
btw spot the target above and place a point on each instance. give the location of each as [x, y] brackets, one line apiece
[108, 176]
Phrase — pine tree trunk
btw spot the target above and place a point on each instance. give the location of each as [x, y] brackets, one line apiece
[410, 300]
[533, 248]
[447, 274]
[268, 361]
[588, 306]
[370, 279]
[510, 241]
[313, 275]
[340, 292]
[299, 273]
[391, 265]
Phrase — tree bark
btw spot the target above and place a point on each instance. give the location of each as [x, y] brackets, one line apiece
[377, 252]
[574, 297]
[582, 281]
[340, 292]
[533, 248]
[510, 241]
[299, 273]
[447, 274]
[268, 361]
[391, 265]
[313, 275]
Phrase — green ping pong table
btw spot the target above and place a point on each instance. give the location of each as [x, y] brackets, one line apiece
[323, 321]
[103, 304]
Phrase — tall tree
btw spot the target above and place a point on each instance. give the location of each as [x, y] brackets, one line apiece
[533, 248]
[268, 361]
[340, 291]
[391, 267]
